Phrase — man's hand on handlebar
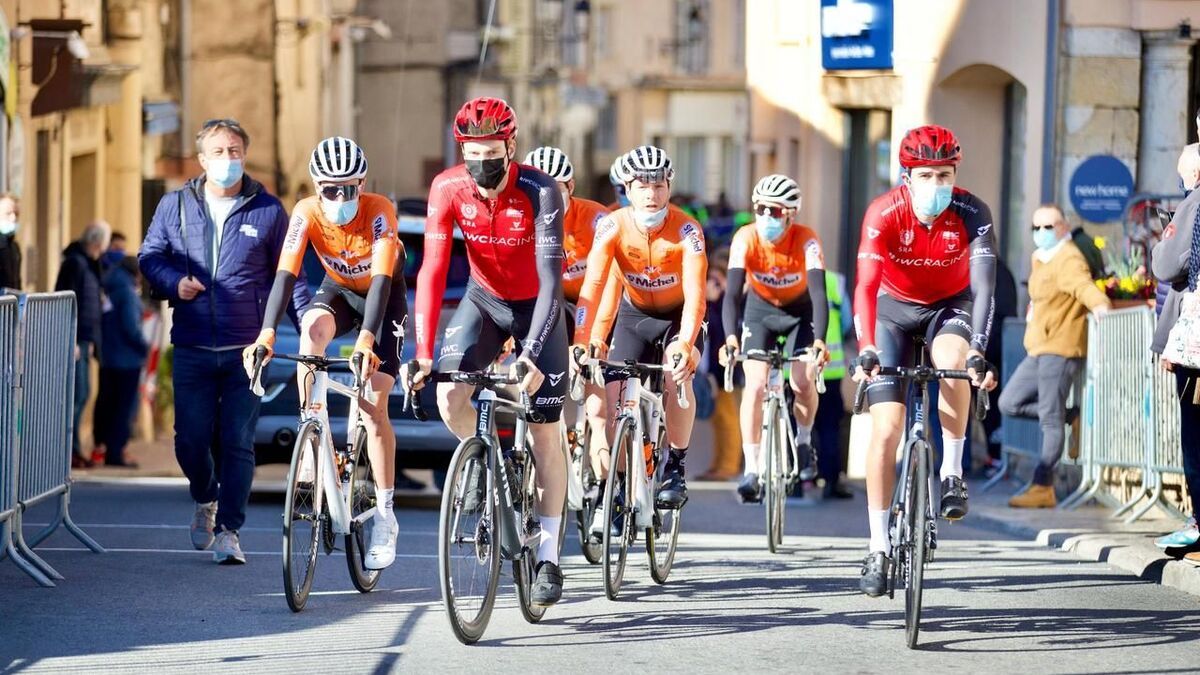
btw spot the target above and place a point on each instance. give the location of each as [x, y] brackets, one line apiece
[414, 373]
[364, 358]
[533, 377]
[682, 368]
[820, 352]
[982, 374]
[728, 354]
[266, 340]
[867, 367]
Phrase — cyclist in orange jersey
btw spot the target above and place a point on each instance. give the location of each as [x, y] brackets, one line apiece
[784, 266]
[354, 234]
[659, 254]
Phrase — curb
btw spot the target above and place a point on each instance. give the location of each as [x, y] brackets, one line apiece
[1132, 553]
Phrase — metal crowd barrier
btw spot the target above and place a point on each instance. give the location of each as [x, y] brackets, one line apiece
[38, 446]
[1131, 417]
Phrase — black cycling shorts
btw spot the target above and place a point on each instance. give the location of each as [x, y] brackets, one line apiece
[641, 336]
[898, 323]
[480, 327]
[347, 308]
[763, 324]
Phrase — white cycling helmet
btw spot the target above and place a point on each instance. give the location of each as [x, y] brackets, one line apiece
[777, 189]
[552, 162]
[337, 159]
[647, 164]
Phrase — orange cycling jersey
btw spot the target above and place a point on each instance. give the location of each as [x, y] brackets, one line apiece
[662, 270]
[579, 229]
[777, 271]
[351, 254]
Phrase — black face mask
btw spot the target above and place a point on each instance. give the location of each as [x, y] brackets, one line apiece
[487, 172]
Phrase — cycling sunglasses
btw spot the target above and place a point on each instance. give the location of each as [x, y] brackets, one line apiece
[332, 192]
[768, 210]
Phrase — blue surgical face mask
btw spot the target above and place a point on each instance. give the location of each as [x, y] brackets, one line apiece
[770, 227]
[339, 213]
[224, 172]
[652, 219]
[930, 200]
[1045, 239]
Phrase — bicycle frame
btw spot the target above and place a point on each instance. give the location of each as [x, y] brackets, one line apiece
[327, 471]
[645, 409]
[507, 523]
[918, 433]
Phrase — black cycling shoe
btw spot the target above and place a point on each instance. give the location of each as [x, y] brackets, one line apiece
[809, 472]
[874, 573]
[749, 489]
[954, 498]
[473, 487]
[674, 493]
[547, 584]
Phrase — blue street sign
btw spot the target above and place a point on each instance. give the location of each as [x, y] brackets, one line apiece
[856, 34]
[1100, 188]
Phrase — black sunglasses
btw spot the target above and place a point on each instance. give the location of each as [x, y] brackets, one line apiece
[332, 192]
[1036, 227]
[768, 210]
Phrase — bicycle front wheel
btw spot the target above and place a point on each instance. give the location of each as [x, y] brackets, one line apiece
[775, 474]
[616, 544]
[917, 518]
[468, 543]
[362, 499]
[302, 517]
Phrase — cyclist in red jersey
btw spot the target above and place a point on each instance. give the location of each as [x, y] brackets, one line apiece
[926, 268]
[511, 217]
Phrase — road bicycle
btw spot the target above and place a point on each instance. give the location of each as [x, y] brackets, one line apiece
[330, 486]
[912, 524]
[488, 509]
[638, 450]
[583, 495]
[782, 468]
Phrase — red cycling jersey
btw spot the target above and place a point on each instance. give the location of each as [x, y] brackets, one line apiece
[514, 246]
[922, 264]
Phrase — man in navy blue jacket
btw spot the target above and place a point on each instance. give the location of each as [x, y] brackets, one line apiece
[216, 268]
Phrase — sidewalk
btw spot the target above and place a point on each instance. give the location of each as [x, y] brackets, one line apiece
[1092, 534]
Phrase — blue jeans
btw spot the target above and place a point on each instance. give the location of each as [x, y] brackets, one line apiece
[1189, 431]
[83, 388]
[215, 414]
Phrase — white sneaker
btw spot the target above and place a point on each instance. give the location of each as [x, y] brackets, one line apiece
[203, 522]
[382, 552]
[227, 550]
[598, 521]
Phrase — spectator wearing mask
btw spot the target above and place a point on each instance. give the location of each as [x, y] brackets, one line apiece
[212, 249]
[10, 249]
[1176, 263]
[115, 252]
[1061, 294]
[125, 351]
[80, 272]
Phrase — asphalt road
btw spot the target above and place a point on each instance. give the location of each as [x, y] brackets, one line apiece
[993, 604]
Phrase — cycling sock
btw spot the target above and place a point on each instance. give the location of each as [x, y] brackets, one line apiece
[803, 434]
[952, 456]
[548, 545]
[383, 503]
[879, 535]
[750, 451]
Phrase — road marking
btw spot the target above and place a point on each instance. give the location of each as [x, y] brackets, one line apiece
[127, 526]
[81, 549]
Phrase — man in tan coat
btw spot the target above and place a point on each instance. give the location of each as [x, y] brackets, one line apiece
[1061, 292]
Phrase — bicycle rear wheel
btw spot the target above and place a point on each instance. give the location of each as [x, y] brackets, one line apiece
[468, 543]
[916, 515]
[302, 517]
[774, 476]
[592, 550]
[524, 566]
[616, 546]
[362, 499]
[662, 538]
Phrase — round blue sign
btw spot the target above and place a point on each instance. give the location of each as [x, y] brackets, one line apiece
[1100, 188]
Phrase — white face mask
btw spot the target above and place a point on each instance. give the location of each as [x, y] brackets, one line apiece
[339, 212]
[8, 227]
[647, 220]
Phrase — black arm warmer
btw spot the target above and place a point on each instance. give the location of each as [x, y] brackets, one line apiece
[377, 301]
[277, 302]
[734, 304]
[820, 303]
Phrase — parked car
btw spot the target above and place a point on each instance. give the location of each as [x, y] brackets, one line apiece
[418, 444]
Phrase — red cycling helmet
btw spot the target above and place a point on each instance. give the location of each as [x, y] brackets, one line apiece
[929, 145]
[485, 119]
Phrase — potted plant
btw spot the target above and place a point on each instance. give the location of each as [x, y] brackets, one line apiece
[1127, 284]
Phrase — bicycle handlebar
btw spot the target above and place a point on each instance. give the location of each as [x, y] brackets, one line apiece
[776, 359]
[474, 378]
[923, 375]
[630, 368]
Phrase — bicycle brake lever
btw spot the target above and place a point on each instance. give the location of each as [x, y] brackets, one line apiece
[860, 398]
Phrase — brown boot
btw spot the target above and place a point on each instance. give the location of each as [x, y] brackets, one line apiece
[1036, 497]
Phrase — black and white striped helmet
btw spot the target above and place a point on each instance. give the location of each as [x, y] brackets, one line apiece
[337, 159]
[777, 189]
[552, 162]
[647, 164]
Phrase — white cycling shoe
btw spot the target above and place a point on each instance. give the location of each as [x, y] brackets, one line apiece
[382, 552]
